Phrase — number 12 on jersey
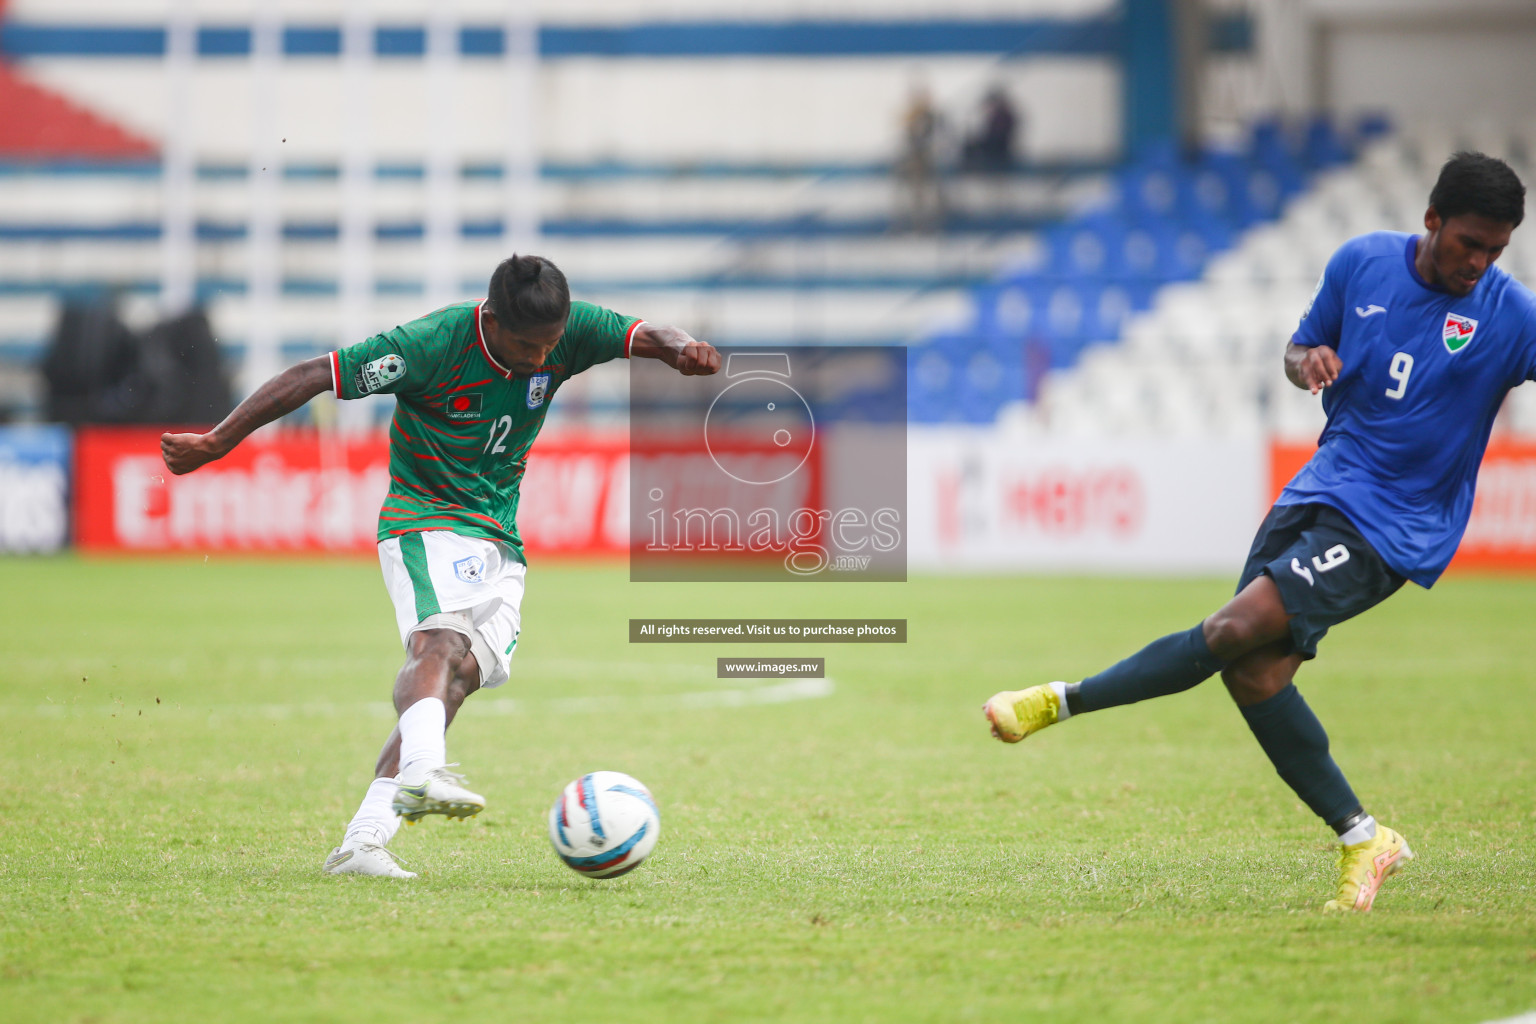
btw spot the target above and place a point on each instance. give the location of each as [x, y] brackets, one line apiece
[1402, 366]
[505, 426]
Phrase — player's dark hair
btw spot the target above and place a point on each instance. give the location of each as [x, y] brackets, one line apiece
[1479, 184]
[528, 291]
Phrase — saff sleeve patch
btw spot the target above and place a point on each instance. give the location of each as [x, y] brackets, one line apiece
[378, 374]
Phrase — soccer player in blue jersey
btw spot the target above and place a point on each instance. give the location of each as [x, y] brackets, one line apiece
[1413, 342]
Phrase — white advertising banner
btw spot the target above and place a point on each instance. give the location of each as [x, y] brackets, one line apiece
[980, 499]
[34, 489]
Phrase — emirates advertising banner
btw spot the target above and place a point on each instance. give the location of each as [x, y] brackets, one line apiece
[301, 491]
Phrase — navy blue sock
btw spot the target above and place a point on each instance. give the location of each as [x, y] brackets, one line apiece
[1170, 665]
[1297, 745]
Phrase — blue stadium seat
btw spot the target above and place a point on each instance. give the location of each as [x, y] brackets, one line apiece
[1168, 217]
[930, 382]
[1323, 147]
[986, 383]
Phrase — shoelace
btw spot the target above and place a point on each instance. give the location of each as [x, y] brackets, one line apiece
[445, 774]
[386, 851]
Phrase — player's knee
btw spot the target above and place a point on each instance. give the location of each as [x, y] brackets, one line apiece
[1230, 635]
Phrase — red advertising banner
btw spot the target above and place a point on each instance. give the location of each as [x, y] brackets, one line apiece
[313, 492]
[1501, 534]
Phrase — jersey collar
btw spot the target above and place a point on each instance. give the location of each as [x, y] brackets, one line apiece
[486, 349]
[1413, 268]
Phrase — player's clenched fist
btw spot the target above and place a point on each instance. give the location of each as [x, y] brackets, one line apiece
[697, 358]
[185, 452]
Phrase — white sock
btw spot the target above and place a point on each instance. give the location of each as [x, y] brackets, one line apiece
[1360, 833]
[375, 815]
[423, 742]
[1062, 712]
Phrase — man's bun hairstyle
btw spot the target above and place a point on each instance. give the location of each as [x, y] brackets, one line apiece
[528, 291]
[1479, 184]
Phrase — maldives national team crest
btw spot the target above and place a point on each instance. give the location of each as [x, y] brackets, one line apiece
[538, 387]
[1458, 331]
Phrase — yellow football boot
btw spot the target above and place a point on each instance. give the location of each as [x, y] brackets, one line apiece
[1364, 866]
[1015, 714]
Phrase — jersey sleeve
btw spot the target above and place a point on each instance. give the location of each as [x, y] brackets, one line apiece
[401, 361]
[1323, 319]
[1530, 343]
[596, 335]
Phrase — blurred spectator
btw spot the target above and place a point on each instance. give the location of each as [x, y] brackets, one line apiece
[920, 191]
[990, 148]
[99, 371]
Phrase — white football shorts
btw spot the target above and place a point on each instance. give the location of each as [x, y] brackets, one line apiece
[435, 572]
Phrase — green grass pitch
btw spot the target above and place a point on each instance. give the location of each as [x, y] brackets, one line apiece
[182, 741]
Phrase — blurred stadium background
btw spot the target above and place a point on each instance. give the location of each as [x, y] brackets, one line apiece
[194, 193]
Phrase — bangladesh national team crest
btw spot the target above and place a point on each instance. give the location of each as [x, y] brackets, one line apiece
[1458, 331]
[538, 388]
[470, 570]
[464, 407]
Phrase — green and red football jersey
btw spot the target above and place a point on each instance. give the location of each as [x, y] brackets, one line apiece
[463, 423]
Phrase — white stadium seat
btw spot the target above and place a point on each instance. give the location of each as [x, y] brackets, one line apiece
[1232, 325]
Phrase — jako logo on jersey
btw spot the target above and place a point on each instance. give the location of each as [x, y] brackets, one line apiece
[470, 570]
[383, 370]
[1302, 571]
[464, 407]
[1458, 331]
[538, 387]
[1370, 310]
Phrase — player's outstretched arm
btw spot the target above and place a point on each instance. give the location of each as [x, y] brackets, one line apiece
[277, 397]
[677, 348]
[1313, 367]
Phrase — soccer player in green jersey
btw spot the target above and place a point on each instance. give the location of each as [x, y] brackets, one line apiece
[472, 383]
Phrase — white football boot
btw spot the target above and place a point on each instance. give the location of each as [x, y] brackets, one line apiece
[435, 791]
[362, 854]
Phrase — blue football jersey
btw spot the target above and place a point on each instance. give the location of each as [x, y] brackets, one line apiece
[1424, 373]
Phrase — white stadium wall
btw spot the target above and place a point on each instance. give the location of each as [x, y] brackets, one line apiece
[674, 109]
[593, 12]
[1415, 60]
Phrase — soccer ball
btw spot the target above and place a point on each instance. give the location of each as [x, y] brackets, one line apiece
[604, 824]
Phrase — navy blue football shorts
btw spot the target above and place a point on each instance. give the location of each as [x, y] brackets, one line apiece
[1325, 570]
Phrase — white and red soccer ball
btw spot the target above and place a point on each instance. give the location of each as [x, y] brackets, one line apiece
[604, 824]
